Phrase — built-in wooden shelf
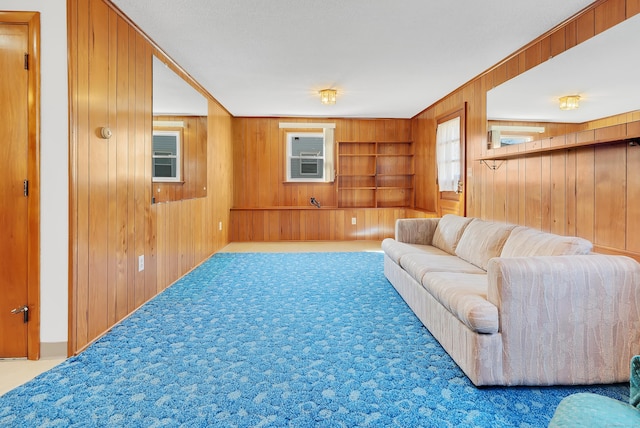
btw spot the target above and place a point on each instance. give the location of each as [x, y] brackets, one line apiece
[375, 174]
[607, 135]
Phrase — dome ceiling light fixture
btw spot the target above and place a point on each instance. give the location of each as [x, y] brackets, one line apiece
[328, 96]
[570, 102]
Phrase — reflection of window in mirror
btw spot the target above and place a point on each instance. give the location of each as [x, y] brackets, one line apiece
[167, 156]
[179, 168]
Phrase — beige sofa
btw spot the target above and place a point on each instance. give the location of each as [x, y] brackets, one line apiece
[516, 306]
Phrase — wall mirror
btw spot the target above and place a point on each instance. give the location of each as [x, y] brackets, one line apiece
[179, 145]
[601, 70]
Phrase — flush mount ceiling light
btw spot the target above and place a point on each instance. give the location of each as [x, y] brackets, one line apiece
[570, 102]
[328, 96]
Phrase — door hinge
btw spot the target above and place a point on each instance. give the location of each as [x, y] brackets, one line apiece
[26, 61]
[25, 187]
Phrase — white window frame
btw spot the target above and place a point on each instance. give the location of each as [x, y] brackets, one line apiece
[326, 131]
[291, 137]
[448, 156]
[178, 156]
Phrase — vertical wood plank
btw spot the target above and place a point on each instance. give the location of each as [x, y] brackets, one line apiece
[609, 198]
[585, 26]
[533, 192]
[571, 192]
[499, 194]
[545, 192]
[112, 227]
[633, 8]
[608, 14]
[98, 167]
[132, 265]
[122, 163]
[512, 190]
[558, 197]
[633, 199]
[585, 193]
[80, 327]
[141, 131]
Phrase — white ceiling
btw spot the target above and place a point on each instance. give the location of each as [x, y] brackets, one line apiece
[389, 59]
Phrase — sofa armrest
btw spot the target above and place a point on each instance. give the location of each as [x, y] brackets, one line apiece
[572, 317]
[416, 230]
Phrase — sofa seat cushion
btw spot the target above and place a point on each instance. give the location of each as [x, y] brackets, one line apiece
[526, 242]
[448, 232]
[482, 241]
[417, 265]
[465, 296]
[395, 250]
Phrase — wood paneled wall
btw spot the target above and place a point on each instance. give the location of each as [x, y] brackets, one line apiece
[588, 192]
[312, 224]
[112, 219]
[268, 209]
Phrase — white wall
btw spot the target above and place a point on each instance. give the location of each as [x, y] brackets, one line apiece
[54, 165]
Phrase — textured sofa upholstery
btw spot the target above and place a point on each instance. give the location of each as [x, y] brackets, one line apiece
[516, 306]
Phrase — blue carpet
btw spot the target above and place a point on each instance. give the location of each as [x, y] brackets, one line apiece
[299, 340]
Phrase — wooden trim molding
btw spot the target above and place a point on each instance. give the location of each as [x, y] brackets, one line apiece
[32, 20]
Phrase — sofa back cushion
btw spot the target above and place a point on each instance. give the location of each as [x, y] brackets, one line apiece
[527, 242]
[482, 241]
[448, 232]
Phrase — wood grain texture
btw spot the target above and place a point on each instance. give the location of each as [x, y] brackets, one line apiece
[14, 218]
[572, 191]
[113, 220]
[325, 224]
[610, 195]
[32, 21]
[259, 159]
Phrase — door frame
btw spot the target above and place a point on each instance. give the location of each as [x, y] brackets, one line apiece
[461, 112]
[32, 20]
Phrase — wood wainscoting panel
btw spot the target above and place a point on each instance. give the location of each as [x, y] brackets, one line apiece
[312, 224]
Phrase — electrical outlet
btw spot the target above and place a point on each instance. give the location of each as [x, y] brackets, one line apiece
[219, 225]
[353, 220]
[141, 263]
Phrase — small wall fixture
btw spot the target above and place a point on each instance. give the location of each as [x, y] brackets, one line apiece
[105, 132]
[328, 96]
[570, 102]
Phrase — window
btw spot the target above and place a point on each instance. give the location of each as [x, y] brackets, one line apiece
[310, 156]
[166, 156]
[448, 155]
